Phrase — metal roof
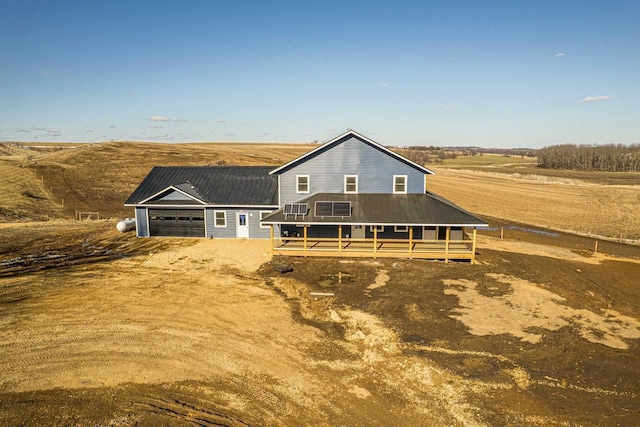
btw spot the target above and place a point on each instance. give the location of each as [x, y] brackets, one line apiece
[348, 134]
[383, 209]
[214, 185]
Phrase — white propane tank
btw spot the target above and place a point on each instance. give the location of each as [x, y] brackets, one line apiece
[126, 225]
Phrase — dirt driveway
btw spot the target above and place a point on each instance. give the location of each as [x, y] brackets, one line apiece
[195, 332]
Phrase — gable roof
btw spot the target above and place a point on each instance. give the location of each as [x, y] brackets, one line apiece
[212, 185]
[350, 134]
[383, 209]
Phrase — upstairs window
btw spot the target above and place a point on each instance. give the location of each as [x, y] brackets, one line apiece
[399, 184]
[302, 183]
[351, 183]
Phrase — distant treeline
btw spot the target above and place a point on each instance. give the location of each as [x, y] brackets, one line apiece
[424, 155]
[609, 158]
[432, 154]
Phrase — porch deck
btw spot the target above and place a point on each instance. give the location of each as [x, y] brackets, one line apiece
[376, 248]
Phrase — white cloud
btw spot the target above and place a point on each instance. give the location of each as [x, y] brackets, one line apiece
[164, 119]
[449, 107]
[156, 127]
[221, 121]
[384, 84]
[38, 129]
[89, 131]
[559, 54]
[164, 136]
[595, 99]
[22, 130]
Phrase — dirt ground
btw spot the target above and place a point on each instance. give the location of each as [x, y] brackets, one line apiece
[113, 330]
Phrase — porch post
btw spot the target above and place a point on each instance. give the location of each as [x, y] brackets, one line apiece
[304, 242]
[473, 247]
[339, 238]
[446, 245]
[375, 241]
[272, 241]
[410, 242]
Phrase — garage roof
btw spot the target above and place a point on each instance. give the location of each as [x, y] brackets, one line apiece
[214, 185]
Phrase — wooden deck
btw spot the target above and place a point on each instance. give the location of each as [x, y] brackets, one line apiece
[376, 248]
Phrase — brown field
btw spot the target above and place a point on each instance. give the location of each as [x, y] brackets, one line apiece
[100, 328]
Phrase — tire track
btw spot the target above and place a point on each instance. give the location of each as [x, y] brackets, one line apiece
[188, 412]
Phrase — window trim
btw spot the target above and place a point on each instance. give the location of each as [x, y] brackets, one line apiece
[395, 177]
[379, 227]
[267, 225]
[298, 184]
[398, 228]
[215, 219]
[345, 184]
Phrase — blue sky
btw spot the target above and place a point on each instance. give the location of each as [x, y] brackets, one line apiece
[492, 74]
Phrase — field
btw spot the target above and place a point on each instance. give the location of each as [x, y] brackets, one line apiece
[510, 188]
[100, 328]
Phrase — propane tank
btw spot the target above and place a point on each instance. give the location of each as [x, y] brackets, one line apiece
[126, 225]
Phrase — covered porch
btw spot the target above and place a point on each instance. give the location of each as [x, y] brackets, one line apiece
[446, 249]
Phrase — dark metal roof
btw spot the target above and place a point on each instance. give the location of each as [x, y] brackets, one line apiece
[379, 209]
[214, 185]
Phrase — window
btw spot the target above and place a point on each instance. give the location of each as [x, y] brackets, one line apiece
[220, 218]
[302, 183]
[401, 229]
[380, 228]
[351, 183]
[262, 215]
[399, 184]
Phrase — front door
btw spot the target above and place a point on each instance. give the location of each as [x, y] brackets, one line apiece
[357, 231]
[242, 224]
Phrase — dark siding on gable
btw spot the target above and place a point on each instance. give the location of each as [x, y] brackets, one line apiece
[141, 222]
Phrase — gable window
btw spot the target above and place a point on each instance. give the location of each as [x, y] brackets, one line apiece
[351, 183]
[401, 229]
[220, 218]
[262, 215]
[302, 183]
[379, 228]
[399, 184]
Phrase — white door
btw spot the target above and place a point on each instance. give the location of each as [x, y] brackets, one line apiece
[357, 232]
[242, 224]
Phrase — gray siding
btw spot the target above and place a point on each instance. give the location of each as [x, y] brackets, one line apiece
[175, 195]
[141, 222]
[229, 232]
[326, 170]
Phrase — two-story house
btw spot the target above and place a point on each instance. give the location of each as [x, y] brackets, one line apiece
[348, 197]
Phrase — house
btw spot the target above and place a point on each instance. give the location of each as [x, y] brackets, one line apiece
[348, 197]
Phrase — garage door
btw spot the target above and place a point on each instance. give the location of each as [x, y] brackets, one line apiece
[176, 222]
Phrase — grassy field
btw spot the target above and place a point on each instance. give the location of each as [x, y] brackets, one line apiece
[56, 182]
[598, 204]
[528, 166]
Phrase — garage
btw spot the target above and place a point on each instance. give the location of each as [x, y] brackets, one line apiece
[176, 222]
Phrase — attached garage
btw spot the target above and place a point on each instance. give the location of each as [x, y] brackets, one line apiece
[176, 222]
